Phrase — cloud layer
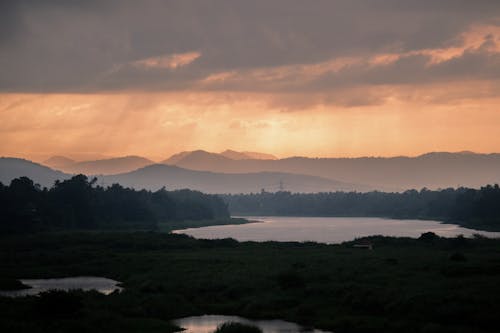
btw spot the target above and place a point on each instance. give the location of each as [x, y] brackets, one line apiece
[288, 77]
[281, 46]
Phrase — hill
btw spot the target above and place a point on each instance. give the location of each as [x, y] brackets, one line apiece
[98, 167]
[202, 157]
[58, 162]
[246, 155]
[155, 176]
[260, 156]
[11, 168]
[432, 170]
[197, 157]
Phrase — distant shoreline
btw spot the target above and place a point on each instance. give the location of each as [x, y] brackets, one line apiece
[455, 222]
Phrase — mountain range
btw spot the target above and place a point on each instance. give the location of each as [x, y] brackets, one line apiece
[11, 168]
[110, 166]
[431, 170]
[232, 171]
[156, 176]
[106, 166]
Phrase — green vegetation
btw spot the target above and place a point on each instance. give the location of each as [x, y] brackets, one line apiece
[79, 203]
[232, 327]
[429, 284]
[478, 209]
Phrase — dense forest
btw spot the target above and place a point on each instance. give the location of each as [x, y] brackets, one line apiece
[474, 208]
[79, 203]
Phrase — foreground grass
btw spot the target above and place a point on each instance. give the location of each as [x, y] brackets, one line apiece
[433, 285]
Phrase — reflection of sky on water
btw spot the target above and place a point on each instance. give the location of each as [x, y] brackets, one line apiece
[329, 229]
[102, 285]
[208, 324]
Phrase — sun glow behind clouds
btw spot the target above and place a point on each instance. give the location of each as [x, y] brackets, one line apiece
[157, 125]
[224, 76]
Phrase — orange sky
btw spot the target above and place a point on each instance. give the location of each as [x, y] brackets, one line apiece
[232, 78]
[157, 125]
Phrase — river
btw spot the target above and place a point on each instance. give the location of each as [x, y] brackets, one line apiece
[330, 230]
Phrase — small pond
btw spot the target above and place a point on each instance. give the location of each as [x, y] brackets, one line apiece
[209, 323]
[102, 285]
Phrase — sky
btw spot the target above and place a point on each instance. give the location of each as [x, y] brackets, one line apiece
[91, 79]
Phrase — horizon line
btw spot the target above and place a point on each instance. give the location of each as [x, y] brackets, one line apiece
[157, 160]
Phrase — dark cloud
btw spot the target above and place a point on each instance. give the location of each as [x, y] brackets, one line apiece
[480, 63]
[89, 45]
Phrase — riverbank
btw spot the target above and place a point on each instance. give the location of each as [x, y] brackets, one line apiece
[171, 226]
[473, 208]
[329, 230]
[430, 284]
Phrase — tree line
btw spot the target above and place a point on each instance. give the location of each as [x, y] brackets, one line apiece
[79, 203]
[479, 208]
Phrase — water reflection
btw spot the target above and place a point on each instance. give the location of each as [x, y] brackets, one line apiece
[328, 229]
[100, 284]
[208, 324]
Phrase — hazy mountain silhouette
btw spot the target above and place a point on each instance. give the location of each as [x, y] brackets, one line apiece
[11, 168]
[58, 162]
[98, 167]
[155, 176]
[260, 156]
[225, 175]
[235, 155]
[172, 177]
[432, 170]
[197, 157]
[206, 158]
[246, 155]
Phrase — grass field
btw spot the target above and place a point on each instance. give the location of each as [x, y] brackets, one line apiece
[427, 285]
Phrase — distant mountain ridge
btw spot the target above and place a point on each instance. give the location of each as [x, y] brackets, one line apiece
[195, 157]
[11, 168]
[115, 165]
[58, 162]
[432, 170]
[247, 155]
[202, 156]
[156, 176]
[106, 166]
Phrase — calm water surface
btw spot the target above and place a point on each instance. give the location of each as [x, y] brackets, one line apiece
[102, 285]
[327, 229]
[208, 324]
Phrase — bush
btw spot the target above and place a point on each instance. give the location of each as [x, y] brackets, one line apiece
[428, 237]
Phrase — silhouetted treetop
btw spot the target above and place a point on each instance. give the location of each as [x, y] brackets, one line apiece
[477, 208]
[79, 203]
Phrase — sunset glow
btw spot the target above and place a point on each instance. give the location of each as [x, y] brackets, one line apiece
[132, 93]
